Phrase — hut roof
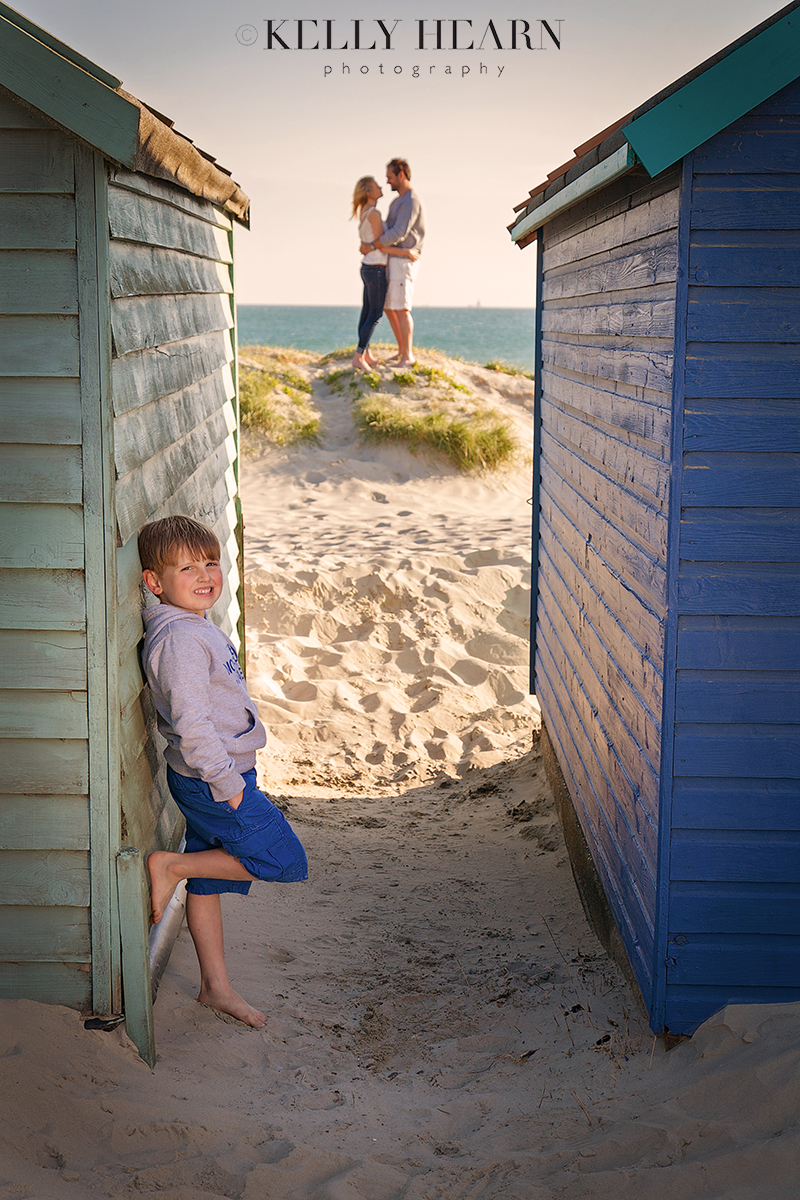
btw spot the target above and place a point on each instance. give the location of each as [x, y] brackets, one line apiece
[676, 120]
[87, 102]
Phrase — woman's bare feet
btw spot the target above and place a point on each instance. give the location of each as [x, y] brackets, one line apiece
[370, 359]
[358, 362]
[161, 867]
[225, 999]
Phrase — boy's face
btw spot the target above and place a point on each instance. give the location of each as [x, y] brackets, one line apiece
[190, 583]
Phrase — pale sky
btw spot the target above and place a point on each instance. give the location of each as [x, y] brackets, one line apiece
[297, 140]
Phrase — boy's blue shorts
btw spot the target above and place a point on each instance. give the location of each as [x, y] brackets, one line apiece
[257, 833]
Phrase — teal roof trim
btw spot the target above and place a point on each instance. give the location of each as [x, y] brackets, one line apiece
[61, 48]
[723, 93]
[70, 96]
[617, 164]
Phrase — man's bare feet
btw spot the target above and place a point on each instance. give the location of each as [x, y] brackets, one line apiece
[226, 1000]
[405, 362]
[162, 881]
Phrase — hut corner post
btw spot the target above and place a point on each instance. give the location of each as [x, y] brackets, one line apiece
[134, 904]
[537, 442]
[661, 923]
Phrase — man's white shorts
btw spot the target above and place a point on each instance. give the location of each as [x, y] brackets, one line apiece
[402, 273]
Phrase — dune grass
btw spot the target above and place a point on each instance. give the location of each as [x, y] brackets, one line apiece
[479, 441]
[497, 364]
[274, 397]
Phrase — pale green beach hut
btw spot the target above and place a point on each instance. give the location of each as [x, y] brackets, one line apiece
[117, 405]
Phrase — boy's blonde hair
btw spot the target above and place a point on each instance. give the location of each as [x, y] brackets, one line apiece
[160, 542]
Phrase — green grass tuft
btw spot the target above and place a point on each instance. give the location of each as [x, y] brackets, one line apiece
[275, 404]
[497, 364]
[483, 441]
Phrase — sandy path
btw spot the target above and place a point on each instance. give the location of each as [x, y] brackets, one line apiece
[442, 1023]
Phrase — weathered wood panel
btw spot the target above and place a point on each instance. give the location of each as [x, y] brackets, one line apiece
[36, 222]
[137, 218]
[51, 660]
[46, 411]
[44, 536]
[41, 474]
[34, 934]
[619, 315]
[757, 426]
[38, 281]
[39, 345]
[643, 477]
[171, 194]
[610, 230]
[48, 983]
[147, 375]
[145, 432]
[765, 589]
[146, 321]
[205, 491]
[709, 803]
[612, 406]
[14, 116]
[35, 160]
[44, 766]
[42, 600]
[44, 822]
[47, 877]
[647, 368]
[36, 714]
[642, 265]
[150, 271]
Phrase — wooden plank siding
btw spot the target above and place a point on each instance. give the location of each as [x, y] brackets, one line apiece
[175, 431]
[609, 268]
[44, 753]
[735, 845]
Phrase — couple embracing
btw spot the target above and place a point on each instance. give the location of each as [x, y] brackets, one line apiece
[389, 261]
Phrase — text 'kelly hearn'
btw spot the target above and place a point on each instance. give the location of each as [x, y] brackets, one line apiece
[306, 33]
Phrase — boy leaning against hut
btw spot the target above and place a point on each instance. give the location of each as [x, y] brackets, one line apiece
[233, 833]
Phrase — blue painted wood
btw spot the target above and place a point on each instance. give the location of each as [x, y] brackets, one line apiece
[743, 370]
[739, 643]
[735, 907]
[624, 763]
[765, 589]
[690, 1006]
[643, 414]
[746, 202]
[757, 426]
[787, 100]
[736, 804]
[757, 145]
[746, 696]
[737, 314]
[604, 812]
[741, 479]
[745, 258]
[737, 751]
[729, 856]
[627, 905]
[741, 534]
[737, 961]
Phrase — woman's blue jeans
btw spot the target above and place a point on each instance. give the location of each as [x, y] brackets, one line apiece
[374, 277]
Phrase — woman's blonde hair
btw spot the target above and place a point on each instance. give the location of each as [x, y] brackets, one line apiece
[361, 193]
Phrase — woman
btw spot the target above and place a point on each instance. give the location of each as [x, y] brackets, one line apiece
[366, 194]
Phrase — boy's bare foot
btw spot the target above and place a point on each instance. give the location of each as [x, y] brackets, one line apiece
[162, 881]
[228, 1001]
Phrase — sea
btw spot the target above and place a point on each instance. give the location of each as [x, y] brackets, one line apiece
[476, 334]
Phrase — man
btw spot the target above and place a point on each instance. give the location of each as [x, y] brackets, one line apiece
[405, 227]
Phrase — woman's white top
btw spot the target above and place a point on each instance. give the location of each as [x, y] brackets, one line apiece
[365, 234]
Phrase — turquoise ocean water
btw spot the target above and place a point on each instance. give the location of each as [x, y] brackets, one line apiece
[475, 334]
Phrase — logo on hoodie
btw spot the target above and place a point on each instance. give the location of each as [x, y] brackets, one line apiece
[232, 664]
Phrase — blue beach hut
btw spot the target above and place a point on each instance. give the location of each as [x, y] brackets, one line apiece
[667, 525]
[117, 405]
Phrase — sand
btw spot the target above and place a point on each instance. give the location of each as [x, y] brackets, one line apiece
[442, 1022]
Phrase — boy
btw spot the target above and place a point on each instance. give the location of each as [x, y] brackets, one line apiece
[233, 833]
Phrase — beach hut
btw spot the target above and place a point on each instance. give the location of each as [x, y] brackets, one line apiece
[667, 523]
[117, 405]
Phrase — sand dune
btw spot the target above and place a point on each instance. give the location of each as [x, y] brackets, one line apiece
[442, 1023]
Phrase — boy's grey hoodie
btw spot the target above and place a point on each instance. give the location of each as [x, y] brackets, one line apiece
[209, 721]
